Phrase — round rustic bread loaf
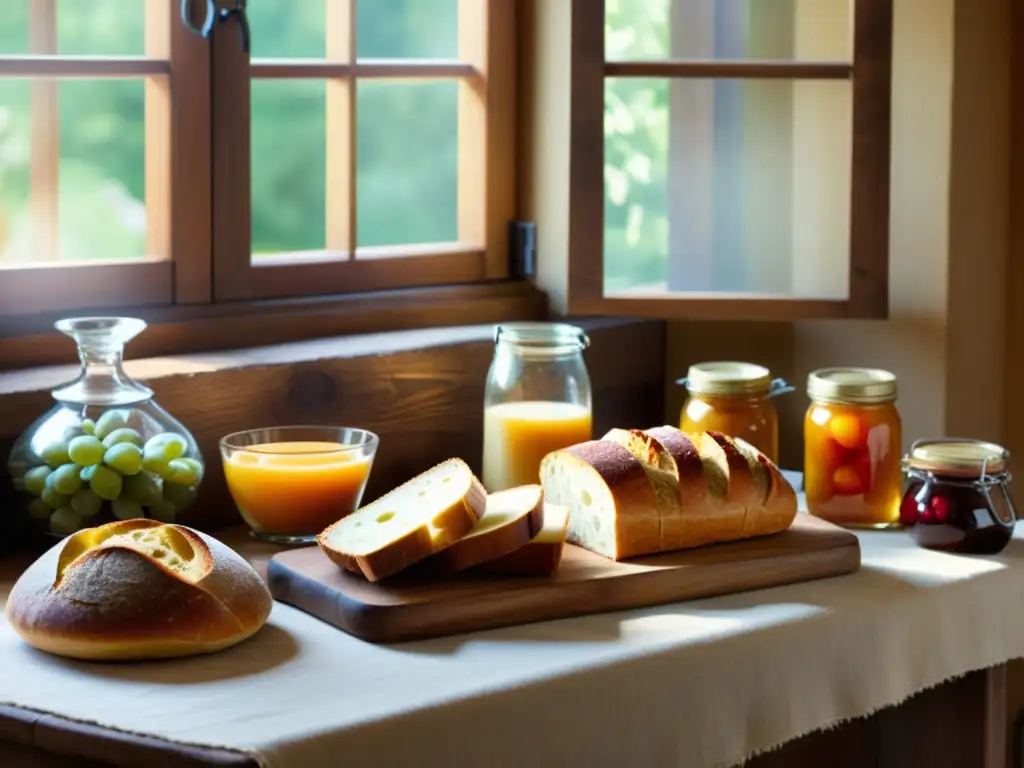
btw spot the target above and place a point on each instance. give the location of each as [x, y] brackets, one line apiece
[137, 589]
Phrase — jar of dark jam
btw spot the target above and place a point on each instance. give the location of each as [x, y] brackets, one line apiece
[958, 496]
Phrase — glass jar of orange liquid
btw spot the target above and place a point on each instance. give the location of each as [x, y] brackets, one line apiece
[852, 448]
[734, 399]
[536, 400]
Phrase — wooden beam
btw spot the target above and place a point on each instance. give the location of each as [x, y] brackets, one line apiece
[751, 69]
[65, 67]
[340, 188]
[391, 70]
[44, 160]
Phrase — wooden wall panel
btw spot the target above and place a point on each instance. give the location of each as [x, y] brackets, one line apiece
[425, 399]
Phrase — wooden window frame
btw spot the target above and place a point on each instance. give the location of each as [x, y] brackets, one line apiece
[486, 163]
[189, 300]
[177, 262]
[870, 75]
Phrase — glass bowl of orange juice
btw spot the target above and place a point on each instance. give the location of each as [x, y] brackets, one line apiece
[289, 483]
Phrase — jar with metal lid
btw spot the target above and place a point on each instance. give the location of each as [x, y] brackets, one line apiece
[852, 447]
[958, 496]
[536, 400]
[734, 399]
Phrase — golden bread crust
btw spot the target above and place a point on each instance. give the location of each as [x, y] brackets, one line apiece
[109, 601]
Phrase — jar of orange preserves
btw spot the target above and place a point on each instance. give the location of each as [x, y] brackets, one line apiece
[852, 473]
[734, 399]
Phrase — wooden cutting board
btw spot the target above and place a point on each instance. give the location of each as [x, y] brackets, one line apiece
[401, 610]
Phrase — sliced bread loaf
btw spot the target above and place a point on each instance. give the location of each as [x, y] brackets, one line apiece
[542, 554]
[513, 517]
[612, 506]
[417, 519]
[703, 488]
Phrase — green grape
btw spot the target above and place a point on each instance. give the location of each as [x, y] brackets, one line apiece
[144, 488]
[65, 520]
[155, 464]
[53, 499]
[197, 468]
[123, 435]
[106, 483]
[107, 423]
[126, 509]
[179, 495]
[65, 479]
[126, 458]
[35, 480]
[86, 503]
[86, 450]
[88, 426]
[182, 472]
[86, 473]
[167, 445]
[163, 511]
[56, 453]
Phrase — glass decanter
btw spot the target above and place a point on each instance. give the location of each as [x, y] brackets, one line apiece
[106, 450]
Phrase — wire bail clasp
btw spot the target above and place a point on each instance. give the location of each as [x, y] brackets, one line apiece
[214, 16]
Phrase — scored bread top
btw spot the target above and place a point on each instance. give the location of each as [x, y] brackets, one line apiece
[171, 547]
[704, 488]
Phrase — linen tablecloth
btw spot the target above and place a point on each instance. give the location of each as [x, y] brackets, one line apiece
[705, 683]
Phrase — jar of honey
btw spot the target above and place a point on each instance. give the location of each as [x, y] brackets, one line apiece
[734, 399]
[536, 400]
[958, 496]
[852, 435]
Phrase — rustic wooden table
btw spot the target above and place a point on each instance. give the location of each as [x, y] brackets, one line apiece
[960, 724]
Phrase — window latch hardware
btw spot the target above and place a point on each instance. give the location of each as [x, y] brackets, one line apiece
[215, 16]
[522, 249]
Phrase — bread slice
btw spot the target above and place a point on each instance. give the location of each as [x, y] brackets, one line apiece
[417, 519]
[542, 554]
[613, 510]
[512, 518]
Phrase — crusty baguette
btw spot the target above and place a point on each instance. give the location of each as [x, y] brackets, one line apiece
[512, 518]
[656, 462]
[612, 507]
[695, 486]
[542, 554]
[137, 589]
[722, 489]
[415, 520]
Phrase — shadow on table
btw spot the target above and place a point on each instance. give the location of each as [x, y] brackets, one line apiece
[270, 647]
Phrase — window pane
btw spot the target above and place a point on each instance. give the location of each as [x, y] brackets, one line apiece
[290, 29]
[102, 169]
[288, 160]
[99, 179]
[806, 30]
[407, 179]
[101, 27]
[15, 132]
[14, 27]
[727, 185]
[407, 29]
